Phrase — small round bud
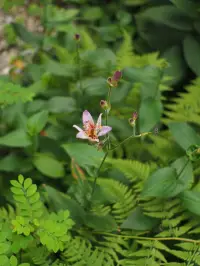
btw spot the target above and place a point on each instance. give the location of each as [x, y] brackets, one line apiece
[135, 115]
[77, 37]
[104, 105]
[113, 81]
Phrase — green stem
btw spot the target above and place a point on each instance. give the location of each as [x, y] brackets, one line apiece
[97, 173]
[106, 113]
[151, 238]
[79, 66]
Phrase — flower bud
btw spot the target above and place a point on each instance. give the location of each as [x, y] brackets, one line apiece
[77, 37]
[113, 81]
[133, 119]
[104, 105]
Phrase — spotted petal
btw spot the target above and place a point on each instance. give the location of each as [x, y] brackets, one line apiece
[81, 135]
[98, 124]
[104, 130]
[87, 118]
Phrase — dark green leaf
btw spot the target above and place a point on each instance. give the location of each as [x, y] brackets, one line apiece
[60, 201]
[84, 154]
[27, 36]
[58, 69]
[191, 49]
[17, 138]
[60, 104]
[191, 201]
[188, 135]
[48, 165]
[37, 122]
[102, 223]
[162, 183]
[169, 16]
[138, 221]
[177, 66]
[149, 114]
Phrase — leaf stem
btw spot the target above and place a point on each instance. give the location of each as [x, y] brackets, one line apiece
[151, 238]
[97, 173]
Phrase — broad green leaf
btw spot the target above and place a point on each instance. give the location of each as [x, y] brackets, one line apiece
[48, 165]
[161, 183]
[37, 122]
[60, 201]
[58, 69]
[184, 135]
[104, 223]
[92, 13]
[188, 7]
[4, 260]
[149, 114]
[27, 183]
[95, 86]
[184, 174]
[10, 163]
[13, 261]
[149, 77]
[139, 221]
[191, 49]
[177, 66]
[31, 190]
[17, 138]
[4, 247]
[169, 16]
[84, 154]
[60, 104]
[191, 201]
[27, 36]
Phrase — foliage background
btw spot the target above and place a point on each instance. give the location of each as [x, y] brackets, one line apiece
[53, 79]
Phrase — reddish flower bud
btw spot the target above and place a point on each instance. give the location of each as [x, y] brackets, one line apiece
[104, 105]
[135, 116]
[113, 81]
[77, 37]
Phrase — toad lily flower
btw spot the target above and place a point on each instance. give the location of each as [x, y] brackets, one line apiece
[91, 131]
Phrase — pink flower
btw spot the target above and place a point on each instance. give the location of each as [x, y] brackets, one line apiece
[91, 131]
[113, 81]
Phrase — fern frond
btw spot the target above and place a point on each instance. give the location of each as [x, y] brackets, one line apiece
[125, 52]
[123, 198]
[186, 107]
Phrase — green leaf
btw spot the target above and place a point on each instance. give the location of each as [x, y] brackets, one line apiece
[60, 104]
[184, 174]
[27, 36]
[4, 260]
[92, 13]
[17, 138]
[167, 15]
[20, 179]
[139, 221]
[48, 165]
[193, 153]
[13, 261]
[31, 190]
[83, 154]
[4, 247]
[102, 223]
[191, 48]
[149, 114]
[37, 122]
[59, 201]
[162, 183]
[177, 66]
[27, 183]
[188, 135]
[188, 7]
[191, 201]
[58, 69]
[149, 77]
[11, 163]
